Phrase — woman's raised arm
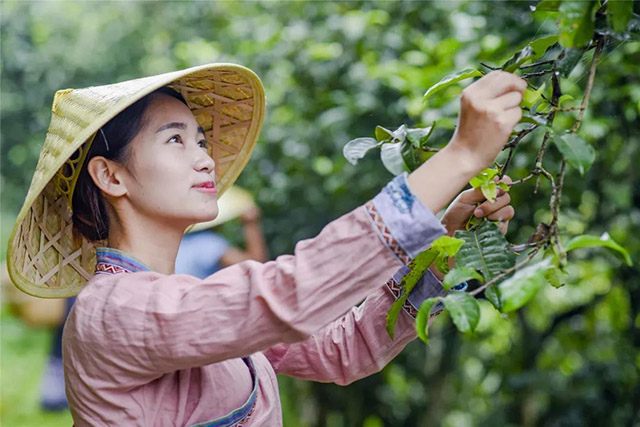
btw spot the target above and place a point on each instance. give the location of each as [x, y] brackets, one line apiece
[490, 108]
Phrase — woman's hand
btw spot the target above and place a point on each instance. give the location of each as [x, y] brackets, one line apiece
[489, 110]
[470, 202]
[466, 204]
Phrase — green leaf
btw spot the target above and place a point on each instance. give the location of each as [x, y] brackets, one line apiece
[531, 96]
[548, 6]
[357, 148]
[568, 59]
[541, 105]
[391, 156]
[422, 319]
[564, 98]
[419, 136]
[383, 134]
[579, 153]
[534, 120]
[483, 177]
[587, 241]
[619, 14]
[577, 23]
[504, 186]
[518, 289]
[492, 293]
[400, 134]
[490, 191]
[450, 80]
[518, 58]
[485, 249]
[459, 275]
[418, 266]
[633, 29]
[442, 262]
[541, 44]
[411, 156]
[447, 245]
[464, 310]
[555, 277]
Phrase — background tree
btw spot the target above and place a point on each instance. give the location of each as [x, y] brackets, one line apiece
[333, 71]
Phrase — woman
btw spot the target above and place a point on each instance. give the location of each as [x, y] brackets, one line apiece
[130, 167]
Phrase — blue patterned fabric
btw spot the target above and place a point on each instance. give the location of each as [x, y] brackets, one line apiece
[409, 228]
[412, 224]
[199, 253]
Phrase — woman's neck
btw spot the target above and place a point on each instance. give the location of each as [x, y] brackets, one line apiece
[155, 244]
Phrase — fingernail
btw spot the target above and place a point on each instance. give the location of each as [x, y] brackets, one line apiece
[478, 212]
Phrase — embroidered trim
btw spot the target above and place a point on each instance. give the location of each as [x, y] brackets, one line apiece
[106, 268]
[408, 308]
[385, 233]
[114, 261]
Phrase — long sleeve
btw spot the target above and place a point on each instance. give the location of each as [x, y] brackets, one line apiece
[148, 323]
[357, 344]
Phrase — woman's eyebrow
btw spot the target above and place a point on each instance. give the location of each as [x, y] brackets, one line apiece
[177, 125]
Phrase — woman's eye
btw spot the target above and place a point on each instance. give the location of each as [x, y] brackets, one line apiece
[203, 143]
[175, 138]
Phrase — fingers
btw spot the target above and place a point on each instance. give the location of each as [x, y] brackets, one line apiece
[475, 196]
[498, 83]
[488, 208]
[503, 226]
[503, 214]
[507, 180]
[509, 100]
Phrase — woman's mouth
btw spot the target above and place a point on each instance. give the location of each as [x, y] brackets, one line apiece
[206, 187]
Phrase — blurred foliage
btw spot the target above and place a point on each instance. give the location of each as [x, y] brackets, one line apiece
[333, 71]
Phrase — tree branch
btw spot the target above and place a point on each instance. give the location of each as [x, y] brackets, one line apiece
[587, 94]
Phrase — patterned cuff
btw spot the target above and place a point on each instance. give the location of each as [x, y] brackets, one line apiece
[404, 224]
[428, 287]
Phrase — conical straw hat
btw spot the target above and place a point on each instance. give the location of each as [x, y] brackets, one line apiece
[43, 257]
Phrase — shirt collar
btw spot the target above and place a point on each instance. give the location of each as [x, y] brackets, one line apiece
[113, 261]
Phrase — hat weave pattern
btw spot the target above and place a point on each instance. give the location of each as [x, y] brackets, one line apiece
[44, 257]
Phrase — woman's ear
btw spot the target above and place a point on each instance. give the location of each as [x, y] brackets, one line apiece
[105, 174]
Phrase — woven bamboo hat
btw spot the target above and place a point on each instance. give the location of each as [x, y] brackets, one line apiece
[43, 257]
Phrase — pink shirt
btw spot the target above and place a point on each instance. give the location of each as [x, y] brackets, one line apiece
[143, 348]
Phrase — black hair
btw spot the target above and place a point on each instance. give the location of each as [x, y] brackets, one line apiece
[90, 217]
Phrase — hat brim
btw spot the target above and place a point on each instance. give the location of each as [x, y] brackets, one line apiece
[44, 258]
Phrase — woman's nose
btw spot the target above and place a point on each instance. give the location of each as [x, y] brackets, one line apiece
[204, 162]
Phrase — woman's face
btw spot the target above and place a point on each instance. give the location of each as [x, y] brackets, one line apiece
[170, 175]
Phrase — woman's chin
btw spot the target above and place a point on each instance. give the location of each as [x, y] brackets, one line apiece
[210, 217]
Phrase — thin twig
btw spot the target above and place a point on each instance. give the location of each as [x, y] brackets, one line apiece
[537, 64]
[511, 145]
[521, 180]
[587, 94]
[490, 67]
[430, 149]
[537, 74]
